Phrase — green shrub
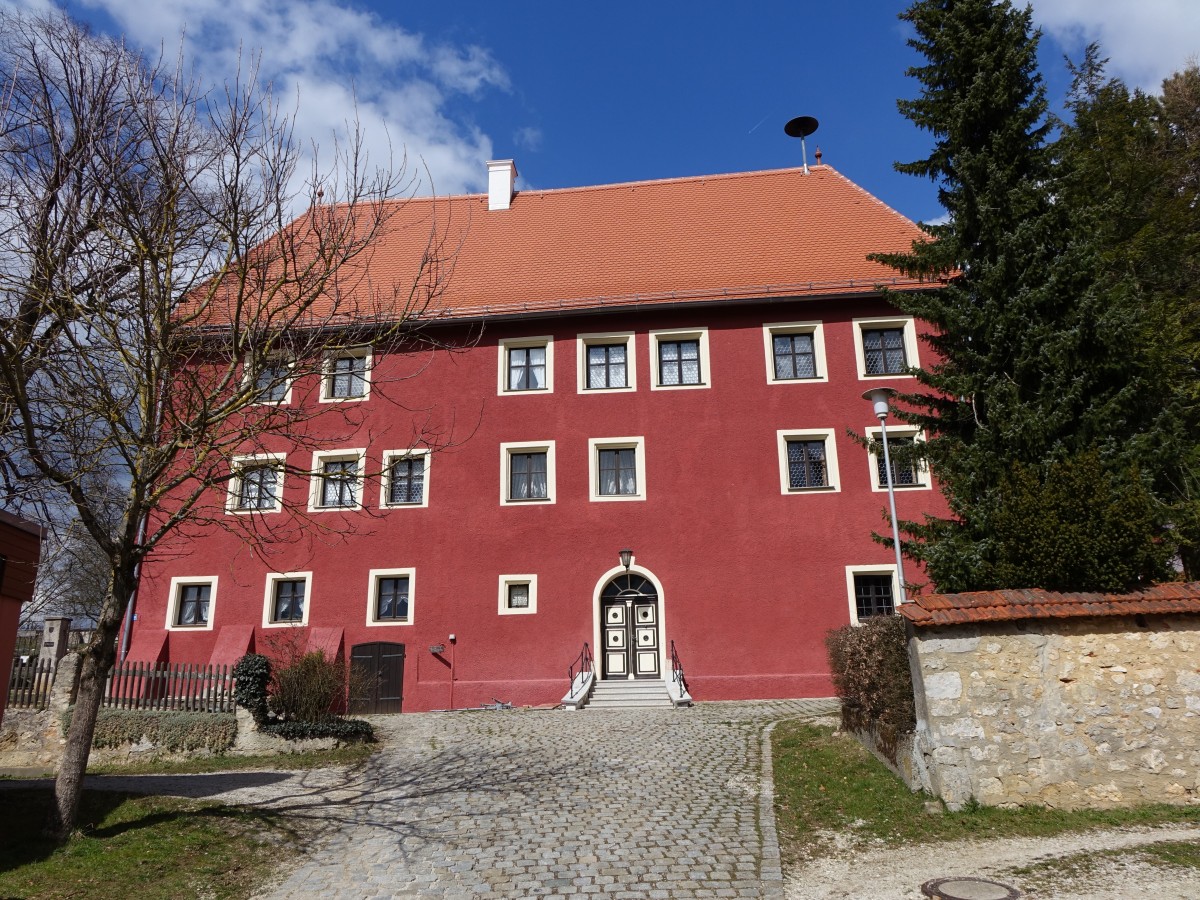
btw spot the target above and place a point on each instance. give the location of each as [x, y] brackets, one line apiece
[871, 676]
[175, 731]
[344, 729]
[252, 674]
[309, 688]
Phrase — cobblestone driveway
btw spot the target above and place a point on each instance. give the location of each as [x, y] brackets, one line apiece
[645, 803]
[639, 803]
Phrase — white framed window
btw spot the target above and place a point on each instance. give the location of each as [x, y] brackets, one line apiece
[606, 362]
[808, 461]
[885, 347]
[617, 468]
[518, 595]
[347, 375]
[390, 595]
[405, 481]
[908, 474]
[679, 359]
[337, 478]
[795, 352]
[527, 473]
[526, 365]
[272, 382]
[287, 599]
[256, 485]
[872, 591]
[192, 603]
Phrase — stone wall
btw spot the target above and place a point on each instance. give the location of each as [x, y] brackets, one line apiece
[1066, 712]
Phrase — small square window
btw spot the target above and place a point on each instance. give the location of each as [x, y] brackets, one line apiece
[527, 473]
[390, 596]
[336, 480]
[607, 362]
[873, 596]
[618, 468]
[908, 469]
[795, 352]
[526, 365]
[872, 591]
[287, 599]
[808, 461]
[256, 485]
[404, 478]
[680, 359]
[885, 347]
[273, 380]
[806, 464]
[518, 595]
[192, 603]
[527, 476]
[347, 375]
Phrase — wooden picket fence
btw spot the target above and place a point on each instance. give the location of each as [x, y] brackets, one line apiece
[29, 683]
[185, 686]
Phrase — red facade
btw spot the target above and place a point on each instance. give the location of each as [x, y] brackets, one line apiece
[564, 437]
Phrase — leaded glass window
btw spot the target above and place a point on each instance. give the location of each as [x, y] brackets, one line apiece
[806, 464]
[873, 596]
[257, 487]
[678, 362]
[518, 596]
[904, 464]
[795, 356]
[607, 366]
[339, 483]
[406, 480]
[883, 351]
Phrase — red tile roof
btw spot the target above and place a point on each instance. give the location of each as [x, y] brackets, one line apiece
[1006, 606]
[710, 238]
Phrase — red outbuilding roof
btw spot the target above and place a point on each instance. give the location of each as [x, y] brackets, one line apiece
[1007, 606]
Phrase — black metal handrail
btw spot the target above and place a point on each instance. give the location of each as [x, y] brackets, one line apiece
[677, 671]
[584, 663]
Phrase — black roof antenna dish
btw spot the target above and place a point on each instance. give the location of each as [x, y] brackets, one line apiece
[801, 127]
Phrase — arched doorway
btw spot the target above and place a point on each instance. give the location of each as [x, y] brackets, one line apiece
[631, 628]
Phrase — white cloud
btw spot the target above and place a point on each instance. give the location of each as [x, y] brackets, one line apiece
[330, 62]
[528, 138]
[1145, 41]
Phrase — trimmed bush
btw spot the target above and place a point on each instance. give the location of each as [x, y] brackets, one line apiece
[871, 676]
[343, 729]
[173, 731]
[253, 674]
[309, 688]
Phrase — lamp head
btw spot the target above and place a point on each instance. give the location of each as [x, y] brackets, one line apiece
[880, 398]
[626, 558]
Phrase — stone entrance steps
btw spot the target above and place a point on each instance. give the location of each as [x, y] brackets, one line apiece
[629, 694]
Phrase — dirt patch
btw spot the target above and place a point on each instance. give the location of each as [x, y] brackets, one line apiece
[1067, 867]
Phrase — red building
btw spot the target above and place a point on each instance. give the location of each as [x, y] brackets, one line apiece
[20, 552]
[670, 367]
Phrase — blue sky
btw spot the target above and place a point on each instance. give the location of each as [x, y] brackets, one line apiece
[622, 91]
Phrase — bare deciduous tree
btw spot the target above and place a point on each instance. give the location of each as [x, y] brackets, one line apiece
[154, 292]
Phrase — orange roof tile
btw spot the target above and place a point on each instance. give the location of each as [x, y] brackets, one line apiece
[744, 235]
[1174, 598]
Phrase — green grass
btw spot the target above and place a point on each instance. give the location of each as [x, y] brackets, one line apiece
[349, 755]
[145, 847]
[826, 783]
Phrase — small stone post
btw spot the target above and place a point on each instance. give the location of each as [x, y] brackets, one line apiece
[55, 633]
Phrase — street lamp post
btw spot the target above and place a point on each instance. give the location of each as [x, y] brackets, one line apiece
[879, 398]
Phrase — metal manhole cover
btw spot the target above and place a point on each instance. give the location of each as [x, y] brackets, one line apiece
[968, 889]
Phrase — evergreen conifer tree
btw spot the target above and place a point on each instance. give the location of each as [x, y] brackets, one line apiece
[1044, 365]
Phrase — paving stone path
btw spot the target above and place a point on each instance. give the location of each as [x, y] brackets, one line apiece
[646, 803]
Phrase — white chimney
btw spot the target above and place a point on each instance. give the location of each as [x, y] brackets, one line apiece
[502, 175]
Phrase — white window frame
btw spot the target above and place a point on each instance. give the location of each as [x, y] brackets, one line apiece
[327, 374]
[274, 578]
[524, 343]
[505, 582]
[881, 569]
[832, 473]
[680, 334]
[595, 445]
[239, 464]
[374, 577]
[904, 433]
[286, 360]
[600, 339]
[176, 587]
[506, 452]
[816, 329]
[320, 457]
[385, 478]
[906, 323]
